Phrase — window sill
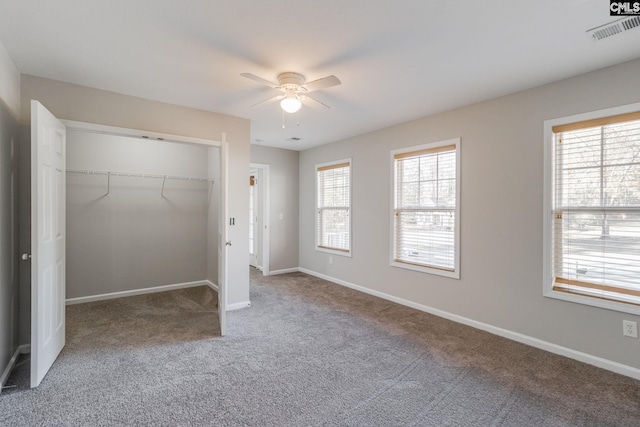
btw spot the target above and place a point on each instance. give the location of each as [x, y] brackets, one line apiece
[334, 251]
[594, 302]
[429, 270]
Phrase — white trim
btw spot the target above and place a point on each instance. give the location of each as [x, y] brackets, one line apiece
[548, 205]
[455, 274]
[593, 301]
[151, 290]
[22, 349]
[315, 219]
[255, 252]
[212, 285]
[238, 305]
[266, 218]
[136, 133]
[284, 271]
[7, 371]
[609, 365]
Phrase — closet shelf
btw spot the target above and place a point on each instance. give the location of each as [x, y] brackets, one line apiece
[139, 175]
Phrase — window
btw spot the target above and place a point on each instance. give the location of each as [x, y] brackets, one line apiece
[426, 215]
[333, 207]
[593, 225]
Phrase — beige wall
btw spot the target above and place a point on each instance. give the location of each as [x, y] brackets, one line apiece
[9, 83]
[283, 200]
[501, 214]
[84, 104]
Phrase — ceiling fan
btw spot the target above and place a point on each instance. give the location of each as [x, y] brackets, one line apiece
[294, 89]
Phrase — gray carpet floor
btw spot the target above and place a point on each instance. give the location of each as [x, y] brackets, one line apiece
[307, 353]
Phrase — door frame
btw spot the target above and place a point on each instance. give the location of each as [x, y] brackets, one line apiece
[256, 237]
[264, 193]
[150, 135]
[137, 133]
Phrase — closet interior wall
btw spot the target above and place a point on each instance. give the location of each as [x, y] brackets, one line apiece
[9, 285]
[127, 233]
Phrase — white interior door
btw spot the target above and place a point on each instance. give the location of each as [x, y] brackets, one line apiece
[48, 153]
[223, 236]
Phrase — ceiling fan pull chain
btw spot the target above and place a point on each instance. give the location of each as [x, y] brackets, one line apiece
[283, 119]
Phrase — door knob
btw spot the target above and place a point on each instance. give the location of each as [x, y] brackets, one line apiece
[26, 256]
[228, 243]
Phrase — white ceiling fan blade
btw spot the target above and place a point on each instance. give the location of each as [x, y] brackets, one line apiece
[322, 83]
[267, 101]
[306, 96]
[259, 80]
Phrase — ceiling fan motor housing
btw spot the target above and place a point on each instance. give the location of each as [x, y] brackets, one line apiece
[291, 82]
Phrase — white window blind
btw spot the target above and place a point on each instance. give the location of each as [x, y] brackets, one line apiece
[425, 208]
[333, 223]
[596, 225]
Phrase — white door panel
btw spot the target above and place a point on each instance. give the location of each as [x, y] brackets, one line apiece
[48, 152]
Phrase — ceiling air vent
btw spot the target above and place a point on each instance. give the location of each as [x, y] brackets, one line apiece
[613, 28]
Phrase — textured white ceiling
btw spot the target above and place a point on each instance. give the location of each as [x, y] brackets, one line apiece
[398, 59]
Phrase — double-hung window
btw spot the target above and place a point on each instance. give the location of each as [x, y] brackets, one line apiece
[593, 224]
[426, 210]
[333, 207]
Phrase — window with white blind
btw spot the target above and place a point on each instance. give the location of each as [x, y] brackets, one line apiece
[333, 207]
[426, 213]
[594, 220]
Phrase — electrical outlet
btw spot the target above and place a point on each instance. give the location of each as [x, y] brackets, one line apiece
[330, 260]
[630, 329]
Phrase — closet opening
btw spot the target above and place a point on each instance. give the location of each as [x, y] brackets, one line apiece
[137, 219]
[144, 236]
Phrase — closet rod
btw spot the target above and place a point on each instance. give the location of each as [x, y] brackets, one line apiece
[139, 175]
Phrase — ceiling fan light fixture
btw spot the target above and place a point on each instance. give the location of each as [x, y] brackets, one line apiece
[291, 103]
[294, 89]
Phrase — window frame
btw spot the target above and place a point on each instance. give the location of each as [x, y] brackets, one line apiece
[318, 247]
[455, 273]
[549, 206]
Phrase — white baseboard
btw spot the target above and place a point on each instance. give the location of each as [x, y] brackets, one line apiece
[609, 365]
[212, 285]
[284, 271]
[142, 291]
[9, 368]
[238, 305]
[230, 307]
[23, 349]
